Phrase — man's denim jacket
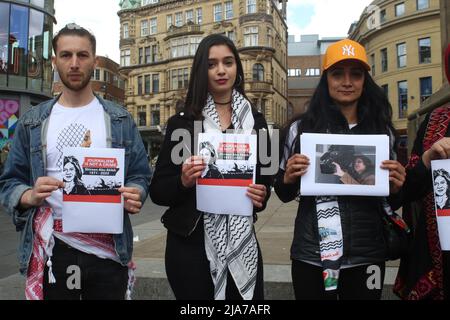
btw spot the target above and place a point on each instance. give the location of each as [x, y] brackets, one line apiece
[27, 162]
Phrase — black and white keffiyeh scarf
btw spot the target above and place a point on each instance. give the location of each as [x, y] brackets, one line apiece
[230, 242]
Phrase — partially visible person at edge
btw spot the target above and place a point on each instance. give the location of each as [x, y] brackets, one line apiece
[31, 185]
[425, 272]
[362, 172]
[337, 238]
[210, 256]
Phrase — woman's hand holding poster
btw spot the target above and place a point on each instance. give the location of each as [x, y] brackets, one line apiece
[441, 185]
[91, 200]
[231, 164]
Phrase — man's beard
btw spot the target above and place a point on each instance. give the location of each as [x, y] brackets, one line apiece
[79, 85]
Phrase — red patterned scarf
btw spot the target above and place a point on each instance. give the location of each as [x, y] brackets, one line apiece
[44, 226]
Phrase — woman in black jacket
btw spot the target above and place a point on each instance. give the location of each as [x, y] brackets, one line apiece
[346, 101]
[209, 256]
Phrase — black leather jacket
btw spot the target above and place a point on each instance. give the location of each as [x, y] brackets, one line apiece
[166, 188]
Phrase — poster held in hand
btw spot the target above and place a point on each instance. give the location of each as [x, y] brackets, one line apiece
[231, 165]
[92, 202]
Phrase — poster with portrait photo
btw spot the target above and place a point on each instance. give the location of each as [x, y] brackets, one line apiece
[345, 165]
[441, 187]
[92, 202]
[231, 164]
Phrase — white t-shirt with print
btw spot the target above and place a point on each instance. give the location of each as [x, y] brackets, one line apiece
[67, 128]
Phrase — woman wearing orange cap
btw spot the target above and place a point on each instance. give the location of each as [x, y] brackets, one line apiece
[425, 272]
[346, 101]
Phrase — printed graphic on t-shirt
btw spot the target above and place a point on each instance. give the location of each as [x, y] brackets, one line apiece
[75, 135]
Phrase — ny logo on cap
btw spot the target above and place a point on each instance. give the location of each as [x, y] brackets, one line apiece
[348, 50]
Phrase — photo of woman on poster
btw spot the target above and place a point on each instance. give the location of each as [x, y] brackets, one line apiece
[208, 152]
[441, 180]
[72, 177]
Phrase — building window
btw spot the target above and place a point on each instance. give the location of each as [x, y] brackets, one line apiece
[199, 15]
[169, 21]
[155, 114]
[231, 35]
[154, 53]
[144, 28]
[228, 10]
[423, 4]
[426, 88]
[142, 116]
[258, 72]
[147, 55]
[269, 37]
[401, 55]
[155, 83]
[251, 36]
[425, 50]
[294, 72]
[251, 6]
[384, 60]
[141, 55]
[153, 26]
[182, 47]
[385, 88]
[217, 12]
[147, 84]
[179, 19]
[190, 16]
[400, 9]
[179, 78]
[126, 33]
[383, 15]
[97, 75]
[106, 77]
[125, 58]
[402, 99]
[312, 72]
[139, 85]
[372, 64]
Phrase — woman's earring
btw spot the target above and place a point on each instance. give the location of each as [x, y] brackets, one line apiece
[239, 82]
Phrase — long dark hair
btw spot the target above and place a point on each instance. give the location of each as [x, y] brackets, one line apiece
[74, 161]
[197, 94]
[374, 112]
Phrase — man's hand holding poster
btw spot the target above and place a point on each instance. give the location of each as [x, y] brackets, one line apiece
[230, 168]
[92, 202]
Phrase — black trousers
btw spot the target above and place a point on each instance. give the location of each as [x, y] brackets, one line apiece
[188, 272]
[84, 276]
[353, 283]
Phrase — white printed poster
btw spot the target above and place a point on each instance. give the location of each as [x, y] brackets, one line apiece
[345, 165]
[91, 200]
[441, 188]
[231, 168]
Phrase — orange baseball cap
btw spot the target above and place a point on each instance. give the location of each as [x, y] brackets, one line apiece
[345, 50]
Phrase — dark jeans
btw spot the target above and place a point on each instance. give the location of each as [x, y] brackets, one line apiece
[188, 271]
[99, 279]
[353, 283]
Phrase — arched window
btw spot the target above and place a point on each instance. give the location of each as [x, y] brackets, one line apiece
[258, 72]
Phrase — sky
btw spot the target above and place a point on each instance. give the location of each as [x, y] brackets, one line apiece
[327, 18]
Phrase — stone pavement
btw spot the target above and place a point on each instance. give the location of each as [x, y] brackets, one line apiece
[274, 229]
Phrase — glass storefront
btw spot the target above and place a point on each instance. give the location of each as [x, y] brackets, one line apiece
[25, 46]
[26, 30]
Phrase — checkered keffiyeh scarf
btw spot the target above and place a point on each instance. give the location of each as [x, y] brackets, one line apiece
[230, 241]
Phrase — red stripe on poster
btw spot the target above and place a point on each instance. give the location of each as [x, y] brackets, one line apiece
[443, 213]
[224, 182]
[93, 198]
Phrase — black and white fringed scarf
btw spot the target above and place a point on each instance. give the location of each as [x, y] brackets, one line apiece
[230, 242]
[330, 239]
